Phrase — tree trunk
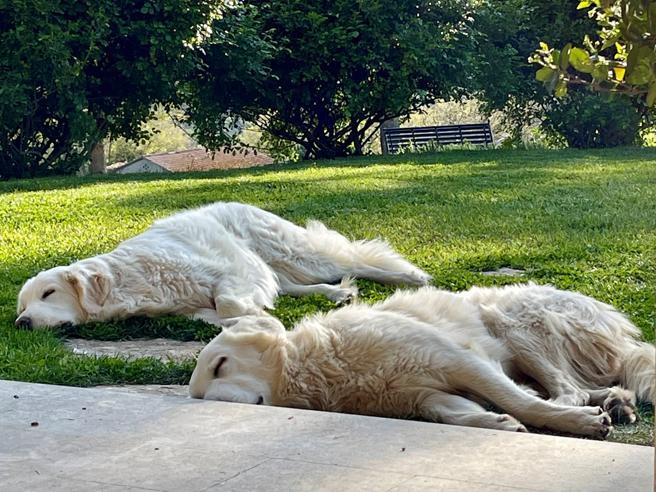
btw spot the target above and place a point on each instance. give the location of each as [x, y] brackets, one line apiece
[393, 123]
[98, 159]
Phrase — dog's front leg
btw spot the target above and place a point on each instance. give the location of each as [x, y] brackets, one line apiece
[229, 308]
[458, 410]
[207, 315]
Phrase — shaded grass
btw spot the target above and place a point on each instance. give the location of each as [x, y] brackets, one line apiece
[582, 220]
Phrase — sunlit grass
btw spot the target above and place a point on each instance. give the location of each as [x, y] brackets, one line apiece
[578, 220]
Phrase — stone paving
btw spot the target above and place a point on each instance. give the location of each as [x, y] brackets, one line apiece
[58, 438]
[159, 348]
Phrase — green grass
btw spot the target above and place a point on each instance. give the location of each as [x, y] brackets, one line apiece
[578, 220]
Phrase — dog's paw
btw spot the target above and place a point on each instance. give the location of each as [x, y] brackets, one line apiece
[419, 278]
[346, 292]
[596, 423]
[620, 405]
[509, 423]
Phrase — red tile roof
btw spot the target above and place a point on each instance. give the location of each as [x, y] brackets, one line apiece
[201, 160]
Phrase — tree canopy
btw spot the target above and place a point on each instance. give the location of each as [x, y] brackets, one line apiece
[72, 71]
[338, 69]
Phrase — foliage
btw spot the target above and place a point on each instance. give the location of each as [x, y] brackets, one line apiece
[601, 120]
[338, 69]
[510, 30]
[73, 71]
[621, 59]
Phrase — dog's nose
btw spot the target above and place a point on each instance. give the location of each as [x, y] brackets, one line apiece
[24, 322]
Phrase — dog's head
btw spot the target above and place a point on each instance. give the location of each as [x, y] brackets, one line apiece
[242, 363]
[62, 295]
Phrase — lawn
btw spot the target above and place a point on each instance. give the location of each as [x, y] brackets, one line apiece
[578, 220]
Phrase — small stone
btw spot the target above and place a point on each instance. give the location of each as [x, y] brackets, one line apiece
[505, 271]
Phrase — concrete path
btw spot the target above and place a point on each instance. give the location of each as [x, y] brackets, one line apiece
[71, 439]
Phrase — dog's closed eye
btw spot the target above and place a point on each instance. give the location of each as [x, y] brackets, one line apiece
[47, 293]
[218, 366]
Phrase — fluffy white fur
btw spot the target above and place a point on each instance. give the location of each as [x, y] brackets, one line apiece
[441, 356]
[217, 263]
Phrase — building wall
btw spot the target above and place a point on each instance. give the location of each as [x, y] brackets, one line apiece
[141, 166]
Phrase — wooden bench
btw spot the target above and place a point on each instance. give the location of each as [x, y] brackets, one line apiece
[421, 136]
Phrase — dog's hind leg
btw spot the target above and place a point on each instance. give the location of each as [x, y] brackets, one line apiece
[341, 293]
[561, 387]
[457, 410]
[618, 402]
[489, 382]
[374, 259]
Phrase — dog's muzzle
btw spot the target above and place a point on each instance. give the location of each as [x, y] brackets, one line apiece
[23, 323]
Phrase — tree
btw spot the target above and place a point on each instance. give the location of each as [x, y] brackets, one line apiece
[621, 59]
[73, 71]
[509, 31]
[337, 70]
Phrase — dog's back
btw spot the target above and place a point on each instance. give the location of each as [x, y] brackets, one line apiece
[588, 340]
[374, 360]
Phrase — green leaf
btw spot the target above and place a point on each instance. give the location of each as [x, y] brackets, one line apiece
[564, 56]
[651, 94]
[580, 60]
[632, 60]
[600, 72]
[640, 75]
[561, 89]
[583, 5]
[544, 74]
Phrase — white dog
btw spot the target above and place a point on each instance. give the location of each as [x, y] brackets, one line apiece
[216, 263]
[441, 356]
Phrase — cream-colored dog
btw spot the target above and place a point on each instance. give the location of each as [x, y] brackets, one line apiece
[216, 263]
[441, 356]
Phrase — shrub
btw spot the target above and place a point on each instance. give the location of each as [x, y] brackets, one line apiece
[586, 120]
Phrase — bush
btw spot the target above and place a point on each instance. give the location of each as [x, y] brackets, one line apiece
[585, 120]
[73, 71]
[338, 69]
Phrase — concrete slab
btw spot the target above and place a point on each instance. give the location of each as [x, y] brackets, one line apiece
[158, 348]
[178, 390]
[60, 438]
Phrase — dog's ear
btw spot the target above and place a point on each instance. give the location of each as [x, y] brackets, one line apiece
[91, 287]
[257, 324]
[270, 324]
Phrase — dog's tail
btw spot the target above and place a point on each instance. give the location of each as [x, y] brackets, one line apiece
[374, 259]
[639, 370]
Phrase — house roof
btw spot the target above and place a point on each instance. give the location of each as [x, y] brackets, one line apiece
[201, 160]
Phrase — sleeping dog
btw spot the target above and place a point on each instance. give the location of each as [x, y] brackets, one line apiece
[442, 357]
[215, 263]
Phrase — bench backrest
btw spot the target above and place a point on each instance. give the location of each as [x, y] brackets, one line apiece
[420, 136]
